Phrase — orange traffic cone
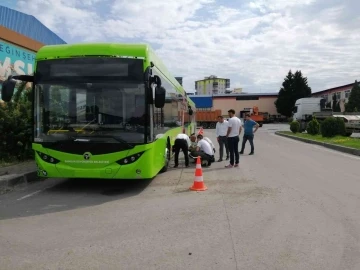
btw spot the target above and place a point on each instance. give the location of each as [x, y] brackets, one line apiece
[201, 131]
[199, 181]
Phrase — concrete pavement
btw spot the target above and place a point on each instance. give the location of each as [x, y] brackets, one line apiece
[290, 206]
[17, 175]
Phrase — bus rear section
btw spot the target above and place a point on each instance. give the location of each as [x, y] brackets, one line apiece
[89, 119]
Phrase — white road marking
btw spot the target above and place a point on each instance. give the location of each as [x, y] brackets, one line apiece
[29, 195]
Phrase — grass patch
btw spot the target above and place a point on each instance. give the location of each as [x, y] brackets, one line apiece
[338, 140]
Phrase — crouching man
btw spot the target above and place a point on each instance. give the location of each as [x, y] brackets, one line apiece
[204, 150]
[182, 142]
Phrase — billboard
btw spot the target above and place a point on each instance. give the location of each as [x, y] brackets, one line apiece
[15, 60]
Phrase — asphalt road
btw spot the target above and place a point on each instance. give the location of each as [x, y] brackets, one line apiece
[290, 206]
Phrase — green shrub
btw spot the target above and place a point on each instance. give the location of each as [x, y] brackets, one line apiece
[341, 126]
[313, 127]
[333, 126]
[15, 127]
[295, 126]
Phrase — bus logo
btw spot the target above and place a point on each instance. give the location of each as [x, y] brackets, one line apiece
[87, 156]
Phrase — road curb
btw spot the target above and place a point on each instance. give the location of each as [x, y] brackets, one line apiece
[11, 180]
[344, 149]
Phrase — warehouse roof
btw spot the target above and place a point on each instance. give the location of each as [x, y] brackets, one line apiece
[333, 88]
[240, 95]
[28, 26]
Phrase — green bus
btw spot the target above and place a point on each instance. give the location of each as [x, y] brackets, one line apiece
[104, 110]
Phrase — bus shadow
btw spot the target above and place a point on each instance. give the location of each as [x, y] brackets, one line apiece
[67, 194]
[100, 189]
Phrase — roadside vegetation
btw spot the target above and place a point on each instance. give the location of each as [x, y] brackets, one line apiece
[338, 140]
[332, 129]
[294, 87]
[15, 127]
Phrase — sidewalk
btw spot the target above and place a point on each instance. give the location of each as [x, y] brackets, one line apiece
[17, 174]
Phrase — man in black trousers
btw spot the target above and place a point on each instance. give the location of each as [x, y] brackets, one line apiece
[182, 141]
[221, 131]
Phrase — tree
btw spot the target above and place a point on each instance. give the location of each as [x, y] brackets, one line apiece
[294, 87]
[300, 86]
[354, 99]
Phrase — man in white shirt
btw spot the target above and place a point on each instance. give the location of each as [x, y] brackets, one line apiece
[182, 141]
[210, 142]
[221, 131]
[204, 150]
[232, 135]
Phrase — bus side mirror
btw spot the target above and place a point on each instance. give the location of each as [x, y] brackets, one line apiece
[156, 80]
[7, 89]
[160, 94]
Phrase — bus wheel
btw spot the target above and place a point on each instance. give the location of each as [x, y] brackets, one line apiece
[167, 156]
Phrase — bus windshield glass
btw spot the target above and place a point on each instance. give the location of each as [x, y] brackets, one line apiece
[90, 100]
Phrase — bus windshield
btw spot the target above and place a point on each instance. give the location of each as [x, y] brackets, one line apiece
[95, 106]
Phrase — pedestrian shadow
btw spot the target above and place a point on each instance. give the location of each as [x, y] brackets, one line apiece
[183, 190]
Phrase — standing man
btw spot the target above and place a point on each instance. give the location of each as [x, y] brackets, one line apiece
[249, 133]
[232, 135]
[221, 131]
[182, 141]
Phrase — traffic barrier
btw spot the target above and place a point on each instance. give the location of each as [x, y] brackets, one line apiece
[198, 184]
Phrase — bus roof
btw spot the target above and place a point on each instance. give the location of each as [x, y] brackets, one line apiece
[110, 49]
[78, 49]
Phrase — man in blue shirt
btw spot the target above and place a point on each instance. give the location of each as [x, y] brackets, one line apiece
[249, 133]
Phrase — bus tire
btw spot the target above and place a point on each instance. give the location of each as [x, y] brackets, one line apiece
[167, 155]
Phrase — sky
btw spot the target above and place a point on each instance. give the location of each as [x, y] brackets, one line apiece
[254, 43]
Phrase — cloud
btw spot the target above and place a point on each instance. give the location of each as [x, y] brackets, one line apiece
[254, 43]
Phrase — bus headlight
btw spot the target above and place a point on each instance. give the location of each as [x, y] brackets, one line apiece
[129, 159]
[47, 158]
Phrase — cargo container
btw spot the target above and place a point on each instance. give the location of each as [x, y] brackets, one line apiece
[205, 119]
[202, 102]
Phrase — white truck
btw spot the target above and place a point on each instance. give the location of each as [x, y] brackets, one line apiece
[306, 108]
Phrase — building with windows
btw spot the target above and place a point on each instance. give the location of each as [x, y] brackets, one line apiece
[21, 36]
[342, 93]
[212, 85]
[241, 103]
